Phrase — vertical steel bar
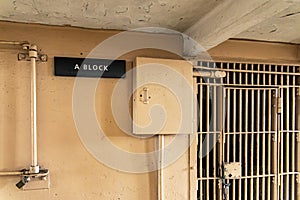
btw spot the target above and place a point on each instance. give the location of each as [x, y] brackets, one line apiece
[281, 137]
[252, 136]
[246, 135]
[220, 111]
[207, 139]
[234, 129]
[246, 142]
[228, 125]
[257, 143]
[200, 138]
[297, 152]
[241, 113]
[264, 108]
[269, 129]
[220, 117]
[287, 133]
[215, 135]
[293, 132]
[274, 145]
[257, 135]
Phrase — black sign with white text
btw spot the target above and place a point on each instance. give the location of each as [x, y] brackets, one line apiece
[89, 67]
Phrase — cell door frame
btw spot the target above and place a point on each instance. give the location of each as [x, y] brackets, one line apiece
[243, 168]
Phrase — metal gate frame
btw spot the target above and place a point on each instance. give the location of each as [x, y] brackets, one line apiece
[276, 173]
[249, 160]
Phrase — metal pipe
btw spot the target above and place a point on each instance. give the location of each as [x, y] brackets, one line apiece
[13, 42]
[34, 168]
[209, 74]
[11, 173]
[160, 167]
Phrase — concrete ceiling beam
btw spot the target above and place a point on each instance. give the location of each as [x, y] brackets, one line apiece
[229, 19]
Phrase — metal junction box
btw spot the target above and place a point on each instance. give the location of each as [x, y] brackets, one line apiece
[163, 98]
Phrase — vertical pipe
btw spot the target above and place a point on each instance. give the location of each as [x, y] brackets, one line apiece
[160, 150]
[34, 163]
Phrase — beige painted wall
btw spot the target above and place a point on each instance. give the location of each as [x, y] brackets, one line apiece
[75, 174]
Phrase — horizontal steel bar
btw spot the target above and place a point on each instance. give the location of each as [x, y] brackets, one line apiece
[251, 177]
[247, 71]
[242, 86]
[208, 178]
[250, 132]
[208, 132]
[289, 131]
[288, 173]
[236, 178]
[222, 60]
[251, 88]
[289, 86]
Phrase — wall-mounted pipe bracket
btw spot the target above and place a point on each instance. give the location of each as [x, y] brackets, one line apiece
[27, 176]
[29, 53]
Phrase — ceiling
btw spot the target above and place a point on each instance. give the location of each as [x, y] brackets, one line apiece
[283, 27]
[108, 14]
[268, 20]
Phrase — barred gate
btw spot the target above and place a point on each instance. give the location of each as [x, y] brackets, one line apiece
[248, 134]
